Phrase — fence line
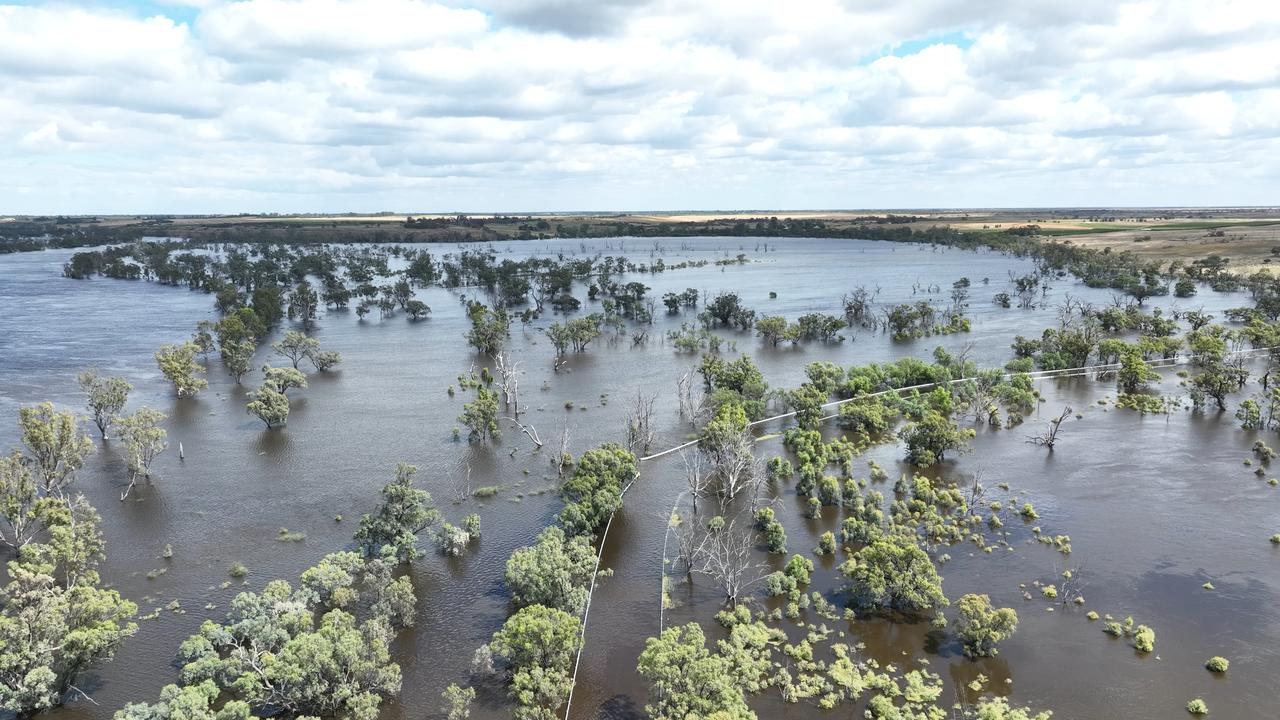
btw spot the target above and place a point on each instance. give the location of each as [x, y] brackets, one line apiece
[1034, 375]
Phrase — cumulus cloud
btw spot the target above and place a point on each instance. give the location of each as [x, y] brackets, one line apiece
[421, 105]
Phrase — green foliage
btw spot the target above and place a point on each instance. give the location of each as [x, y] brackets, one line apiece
[55, 444]
[930, 438]
[405, 511]
[457, 702]
[177, 363]
[56, 620]
[578, 333]
[272, 652]
[480, 416]
[687, 680]
[980, 626]
[143, 439]
[106, 397]
[554, 572]
[538, 645]
[296, 346]
[1217, 664]
[269, 404]
[594, 491]
[1144, 639]
[489, 328]
[1197, 707]
[892, 573]
[775, 535]
[282, 380]
[188, 702]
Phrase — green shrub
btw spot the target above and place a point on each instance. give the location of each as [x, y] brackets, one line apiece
[1217, 664]
[1197, 707]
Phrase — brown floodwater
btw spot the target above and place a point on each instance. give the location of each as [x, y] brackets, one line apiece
[1155, 506]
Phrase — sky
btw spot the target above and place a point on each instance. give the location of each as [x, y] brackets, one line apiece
[206, 106]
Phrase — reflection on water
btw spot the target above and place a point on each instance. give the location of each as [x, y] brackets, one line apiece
[1154, 506]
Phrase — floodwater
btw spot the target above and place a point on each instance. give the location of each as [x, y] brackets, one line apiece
[1155, 506]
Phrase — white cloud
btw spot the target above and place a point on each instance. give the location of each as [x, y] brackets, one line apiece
[575, 104]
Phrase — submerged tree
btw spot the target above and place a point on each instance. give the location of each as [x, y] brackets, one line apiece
[144, 439]
[480, 416]
[270, 405]
[57, 447]
[688, 680]
[489, 328]
[282, 380]
[303, 303]
[237, 356]
[404, 513]
[930, 438]
[554, 571]
[106, 397]
[893, 573]
[980, 626]
[178, 364]
[538, 644]
[295, 346]
[319, 650]
[56, 620]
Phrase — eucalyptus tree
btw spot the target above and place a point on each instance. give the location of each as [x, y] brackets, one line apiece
[537, 645]
[22, 505]
[295, 346]
[282, 380]
[237, 356]
[144, 439]
[56, 446]
[689, 680]
[303, 303]
[106, 397]
[480, 416]
[980, 626]
[555, 571]
[404, 513]
[320, 649]
[56, 619]
[270, 406]
[893, 573]
[489, 327]
[177, 363]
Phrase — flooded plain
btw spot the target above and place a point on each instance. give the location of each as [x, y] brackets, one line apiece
[1155, 505]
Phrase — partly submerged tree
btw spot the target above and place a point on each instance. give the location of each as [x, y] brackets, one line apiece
[144, 439]
[56, 446]
[303, 303]
[893, 573]
[270, 405]
[56, 619]
[404, 513]
[480, 416]
[295, 346]
[688, 680]
[537, 645]
[179, 366]
[106, 397]
[980, 626]
[554, 571]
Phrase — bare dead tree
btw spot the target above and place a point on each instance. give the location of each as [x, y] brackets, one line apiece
[509, 381]
[529, 430]
[684, 392]
[1055, 425]
[697, 476]
[723, 552]
[563, 459]
[640, 434]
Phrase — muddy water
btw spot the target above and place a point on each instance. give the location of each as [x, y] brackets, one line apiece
[1154, 507]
